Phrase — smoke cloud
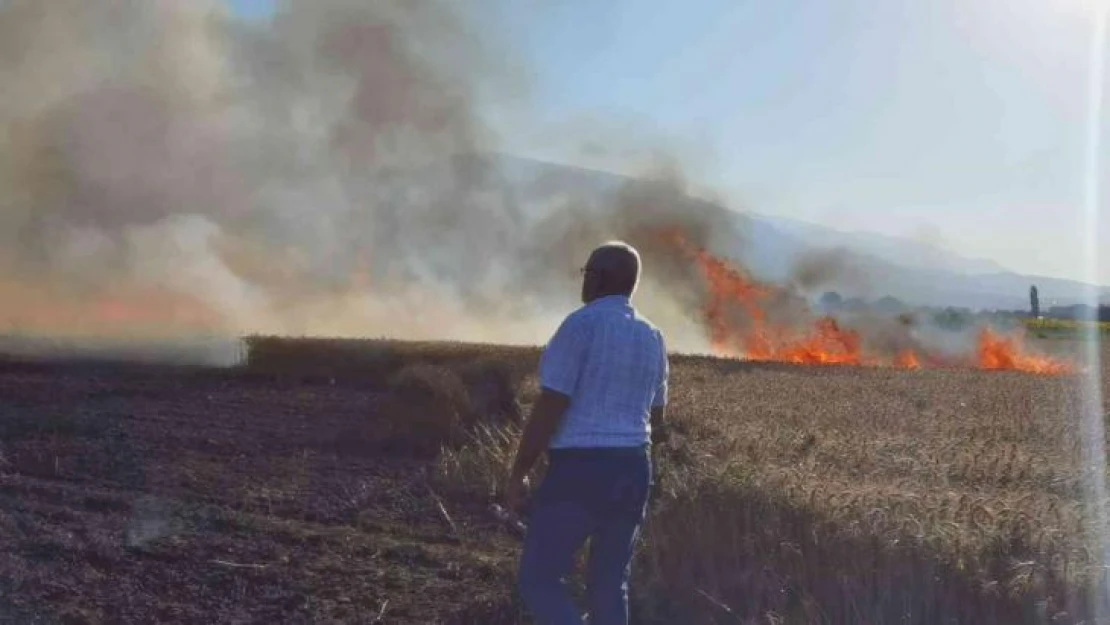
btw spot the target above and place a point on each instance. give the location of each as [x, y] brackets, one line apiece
[167, 169]
[169, 174]
[830, 269]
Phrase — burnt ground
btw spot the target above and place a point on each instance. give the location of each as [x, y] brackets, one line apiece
[151, 494]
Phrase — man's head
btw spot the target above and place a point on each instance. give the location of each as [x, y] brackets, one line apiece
[612, 269]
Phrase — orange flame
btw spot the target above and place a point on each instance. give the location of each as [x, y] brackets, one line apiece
[728, 286]
[824, 342]
[997, 352]
[907, 359]
[37, 310]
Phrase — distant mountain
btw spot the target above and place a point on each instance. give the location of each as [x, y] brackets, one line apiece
[855, 264]
[902, 251]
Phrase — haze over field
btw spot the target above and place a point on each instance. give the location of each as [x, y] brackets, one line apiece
[174, 169]
[177, 174]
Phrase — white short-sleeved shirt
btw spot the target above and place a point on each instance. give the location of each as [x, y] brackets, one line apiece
[612, 363]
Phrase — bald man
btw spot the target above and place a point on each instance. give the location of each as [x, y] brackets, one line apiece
[603, 385]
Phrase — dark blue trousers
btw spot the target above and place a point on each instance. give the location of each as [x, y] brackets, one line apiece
[595, 494]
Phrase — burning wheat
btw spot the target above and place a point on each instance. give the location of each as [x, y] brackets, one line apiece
[739, 324]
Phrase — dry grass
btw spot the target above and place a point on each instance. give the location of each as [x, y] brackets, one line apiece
[373, 362]
[863, 496]
[478, 468]
[1054, 328]
[841, 495]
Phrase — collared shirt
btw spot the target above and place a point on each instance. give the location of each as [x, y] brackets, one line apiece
[612, 363]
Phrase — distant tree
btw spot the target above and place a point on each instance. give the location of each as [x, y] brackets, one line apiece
[1076, 312]
[1034, 302]
[855, 304]
[831, 301]
[952, 318]
[890, 305]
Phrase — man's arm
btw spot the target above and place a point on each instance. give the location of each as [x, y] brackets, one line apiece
[560, 366]
[662, 391]
[658, 422]
[542, 423]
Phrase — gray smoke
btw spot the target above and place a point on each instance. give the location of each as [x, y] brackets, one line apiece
[167, 169]
[834, 268]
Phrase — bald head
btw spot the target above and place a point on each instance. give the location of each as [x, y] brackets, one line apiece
[612, 269]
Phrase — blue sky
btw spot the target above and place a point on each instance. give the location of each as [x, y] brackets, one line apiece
[957, 121]
[251, 8]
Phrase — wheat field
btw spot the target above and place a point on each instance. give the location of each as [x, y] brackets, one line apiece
[348, 481]
[792, 494]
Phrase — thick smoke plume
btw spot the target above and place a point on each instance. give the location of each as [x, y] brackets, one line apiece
[166, 168]
[168, 173]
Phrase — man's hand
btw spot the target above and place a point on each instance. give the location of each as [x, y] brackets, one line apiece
[541, 426]
[516, 493]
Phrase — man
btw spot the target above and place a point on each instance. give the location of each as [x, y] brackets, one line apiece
[603, 379]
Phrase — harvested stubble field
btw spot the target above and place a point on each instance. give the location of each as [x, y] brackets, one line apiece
[328, 481]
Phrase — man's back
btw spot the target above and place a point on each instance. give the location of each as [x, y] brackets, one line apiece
[612, 363]
[604, 379]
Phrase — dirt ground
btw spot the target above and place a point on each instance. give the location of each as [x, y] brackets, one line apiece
[148, 495]
[302, 490]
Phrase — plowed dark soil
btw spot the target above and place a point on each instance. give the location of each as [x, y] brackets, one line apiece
[145, 495]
